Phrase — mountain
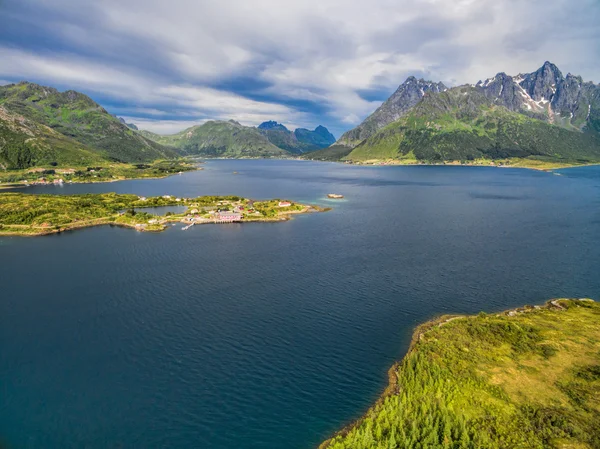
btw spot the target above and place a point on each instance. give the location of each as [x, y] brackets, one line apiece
[220, 139]
[464, 124]
[128, 125]
[540, 115]
[300, 141]
[25, 143]
[77, 117]
[320, 137]
[272, 125]
[547, 95]
[406, 96]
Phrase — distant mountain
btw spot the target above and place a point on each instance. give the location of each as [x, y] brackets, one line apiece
[77, 117]
[25, 143]
[300, 141]
[128, 125]
[272, 126]
[220, 139]
[547, 95]
[541, 115]
[463, 124]
[408, 94]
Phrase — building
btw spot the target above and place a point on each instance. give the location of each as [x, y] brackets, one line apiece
[284, 204]
[228, 217]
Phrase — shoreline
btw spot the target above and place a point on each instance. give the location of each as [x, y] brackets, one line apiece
[419, 331]
[550, 167]
[23, 184]
[162, 224]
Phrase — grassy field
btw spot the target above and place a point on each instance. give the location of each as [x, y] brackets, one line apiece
[23, 214]
[528, 378]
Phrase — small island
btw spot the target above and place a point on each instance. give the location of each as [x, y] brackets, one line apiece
[32, 215]
[524, 378]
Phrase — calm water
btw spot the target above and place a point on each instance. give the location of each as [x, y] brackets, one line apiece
[271, 336]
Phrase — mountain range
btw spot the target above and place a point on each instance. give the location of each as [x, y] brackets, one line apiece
[541, 116]
[40, 125]
[219, 138]
[300, 141]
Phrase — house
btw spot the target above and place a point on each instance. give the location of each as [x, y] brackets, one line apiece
[228, 217]
[284, 204]
[152, 221]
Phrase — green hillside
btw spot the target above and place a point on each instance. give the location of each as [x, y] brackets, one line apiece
[79, 118]
[462, 124]
[24, 143]
[528, 378]
[220, 139]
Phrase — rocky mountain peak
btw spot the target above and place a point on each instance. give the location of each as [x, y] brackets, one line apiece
[272, 125]
[542, 84]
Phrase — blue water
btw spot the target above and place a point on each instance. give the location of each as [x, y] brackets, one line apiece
[271, 336]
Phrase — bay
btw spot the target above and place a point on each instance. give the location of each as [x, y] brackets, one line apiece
[271, 335]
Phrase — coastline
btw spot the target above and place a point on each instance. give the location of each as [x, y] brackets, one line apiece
[24, 184]
[545, 167]
[150, 223]
[392, 388]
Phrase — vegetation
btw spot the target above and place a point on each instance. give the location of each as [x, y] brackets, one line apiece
[461, 124]
[528, 378]
[220, 139]
[24, 143]
[99, 172]
[333, 153]
[23, 214]
[64, 128]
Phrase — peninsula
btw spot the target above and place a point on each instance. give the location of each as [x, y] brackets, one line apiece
[528, 377]
[31, 215]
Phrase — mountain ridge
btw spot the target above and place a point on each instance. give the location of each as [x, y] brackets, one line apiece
[301, 140]
[77, 117]
[502, 117]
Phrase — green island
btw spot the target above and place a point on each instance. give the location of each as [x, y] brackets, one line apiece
[29, 215]
[525, 378]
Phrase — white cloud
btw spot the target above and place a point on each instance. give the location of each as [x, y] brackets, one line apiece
[163, 127]
[174, 55]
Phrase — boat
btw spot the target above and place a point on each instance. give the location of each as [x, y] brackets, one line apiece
[336, 196]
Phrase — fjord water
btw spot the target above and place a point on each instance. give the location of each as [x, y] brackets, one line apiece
[271, 336]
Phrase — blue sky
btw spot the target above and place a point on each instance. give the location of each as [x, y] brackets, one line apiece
[166, 65]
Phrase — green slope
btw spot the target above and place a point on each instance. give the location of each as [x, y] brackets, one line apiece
[79, 118]
[462, 124]
[528, 378]
[220, 139]
[24, 143]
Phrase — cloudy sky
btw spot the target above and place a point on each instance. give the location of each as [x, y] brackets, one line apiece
[168, 64]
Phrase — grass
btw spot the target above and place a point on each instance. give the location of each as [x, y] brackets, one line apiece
[100, 172]
[529, 378]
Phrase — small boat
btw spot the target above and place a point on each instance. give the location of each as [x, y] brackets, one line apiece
[335, 196]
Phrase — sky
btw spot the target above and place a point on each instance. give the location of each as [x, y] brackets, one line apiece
[166, 65]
